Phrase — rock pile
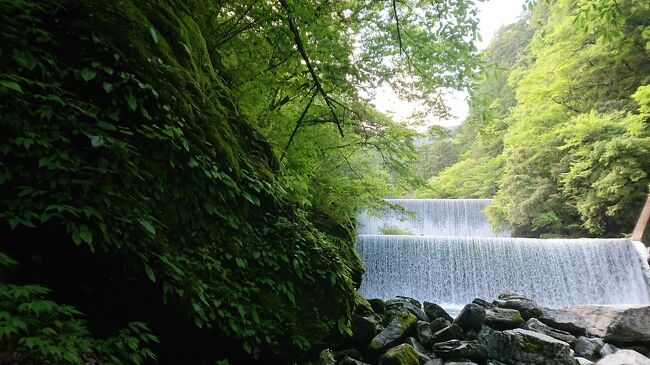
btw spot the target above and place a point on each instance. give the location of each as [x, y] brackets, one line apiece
[511, 330]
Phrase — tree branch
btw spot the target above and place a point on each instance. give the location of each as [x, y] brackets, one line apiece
[298, 123]
[399, 34]
[305, 57]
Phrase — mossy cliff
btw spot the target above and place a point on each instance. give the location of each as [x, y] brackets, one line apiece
[131, 187]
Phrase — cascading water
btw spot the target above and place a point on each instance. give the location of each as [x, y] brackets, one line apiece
[451, 270]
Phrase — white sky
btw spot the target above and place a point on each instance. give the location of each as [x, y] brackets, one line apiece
[492, 14]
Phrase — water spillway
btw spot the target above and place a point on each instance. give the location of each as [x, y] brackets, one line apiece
[451, 270]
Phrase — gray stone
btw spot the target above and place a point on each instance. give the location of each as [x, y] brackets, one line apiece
[423, 332]
[583, 361]
[471, 317]
[588, 347]
[513, 300]
[537, 326]
[401, 326]
[460, 349]
[608, 350]
[350, 361]
[494, 362]
[453, 332]
[435, 362]
[364, 329]
[352, 353]
[503, 318]
[624, 357]
[483, 303]
[565, 320]
[415, 343]
[521, 346]
[630, 326]
[403, 354]
[377, 305]
[400, 303]
[460, 363]
[435, 311]
[438, 324]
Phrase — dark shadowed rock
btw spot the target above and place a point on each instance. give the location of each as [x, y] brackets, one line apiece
[521, 346]
[630, 326]
[471, 317]
[401, 326]
[494, 362]
[483, 303]
[588, 347]
[435, 311]
[399, 304]
[503, 318]
[460, 363]
[423, 332]
[435, 362]
[350, 361]
[351, 353]
[513, 300]
[537, 326]
[377, 305]
[564, 320]
[471, 350]
[624, 357]
[453, 332]
[415, 343]
[364, 329]
[438, 324]
[403, 354]
[361, 306]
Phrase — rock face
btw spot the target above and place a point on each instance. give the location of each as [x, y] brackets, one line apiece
[624, 357]
[513, 300]
[438, 324]
[365, 328]
[453, 332]
[460, 349]
[521, 346]
[399, 327]
[537, 326]
[403, 354]
[400, 304]
[630, 326]
[503, 318]
[423, 332]
[471, 317]
[435, 311]
[565, 320]
[588, 347]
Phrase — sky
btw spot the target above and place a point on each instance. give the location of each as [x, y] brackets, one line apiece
[492, 15]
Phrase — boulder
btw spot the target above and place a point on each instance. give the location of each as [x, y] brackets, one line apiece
[460, 363]
[417, 346]
[351, 353]
[583, 361]
[608, 350]
[435, 311]
[377, 305]
[423, 332]
[399, 327]
[399, 304]
[624, 357]
[403, 354]
[503, 318]
[513, 300]
[494, 362]
[453, 332]
[364, 329]
[483, 303]
[460, 349]
[521, 346]
[438, 324]
[565, 320]
[588, 347]
[537, 326]
[472, 316]
[350, 361]
[595, 318]
[434, 362]
[630, 326]
[361, 305]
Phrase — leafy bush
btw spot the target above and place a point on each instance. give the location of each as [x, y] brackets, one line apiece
[391, 230]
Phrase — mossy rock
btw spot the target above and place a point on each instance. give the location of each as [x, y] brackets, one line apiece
[403, 354]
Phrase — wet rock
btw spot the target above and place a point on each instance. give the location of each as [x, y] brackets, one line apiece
[471, 317]
[453, 332]
[503, 318]
[608, 350]
[460, 363]
[403, 354]
[494, 362]
[362, 306]
[565, 320]
[521, 346]
[583, 361]
[438, 324]
[351, 361]
[364, 329]
[423, 332]
[513, 300]
[415, 344]
[537, 326]
[624, 357]
[377, 305]
[435, 311]
[630, 326]
[351, 353]
[460, 349]
[434, 362]
[588, 347]
[403, 303]
[483, 303]
[399, 327]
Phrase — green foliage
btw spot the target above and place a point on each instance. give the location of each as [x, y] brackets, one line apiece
[35, 329]
[388, 229]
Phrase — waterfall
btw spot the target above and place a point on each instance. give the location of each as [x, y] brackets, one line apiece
[432, 217]
[450, 267]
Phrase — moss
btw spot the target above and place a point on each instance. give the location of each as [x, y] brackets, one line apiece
[403, 354]
[406, 321]
[361, 305]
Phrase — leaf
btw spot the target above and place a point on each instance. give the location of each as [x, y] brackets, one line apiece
[150, 273]
[148, 226]
[108, 87]
[85, 234]
[11, 85]
[96, 141]
[88, 74]
[153, 35]
[130, 99]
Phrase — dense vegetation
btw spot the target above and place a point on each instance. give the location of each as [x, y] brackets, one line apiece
[558, 129]
[179, 179]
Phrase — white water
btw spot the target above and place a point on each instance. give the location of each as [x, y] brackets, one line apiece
[451, 270]
[433, 217]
